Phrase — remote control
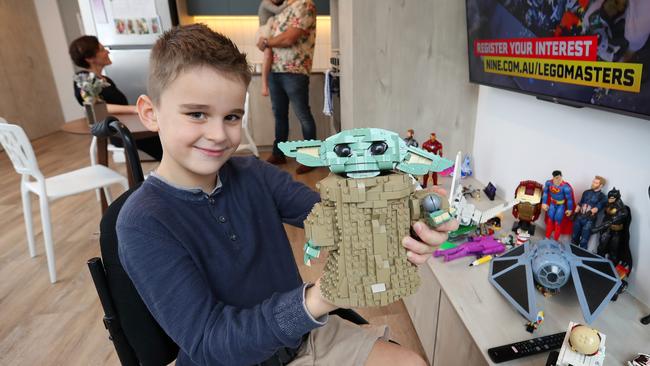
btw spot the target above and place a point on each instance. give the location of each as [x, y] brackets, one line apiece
[552, 358]
[526, 348]
[646, 320]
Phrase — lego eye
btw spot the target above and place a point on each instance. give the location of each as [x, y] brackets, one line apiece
[342, 150]
[378, 148]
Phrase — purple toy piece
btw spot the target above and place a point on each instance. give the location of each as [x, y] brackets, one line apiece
[480, 246]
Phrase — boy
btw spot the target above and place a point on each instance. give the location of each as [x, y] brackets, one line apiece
[202, 239]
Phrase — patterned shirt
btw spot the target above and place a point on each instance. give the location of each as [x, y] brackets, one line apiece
[299, 57]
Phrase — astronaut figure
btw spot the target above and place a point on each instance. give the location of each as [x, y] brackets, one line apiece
[592, 202]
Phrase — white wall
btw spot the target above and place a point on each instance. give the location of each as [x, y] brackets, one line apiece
[57, 51]
[519, 137]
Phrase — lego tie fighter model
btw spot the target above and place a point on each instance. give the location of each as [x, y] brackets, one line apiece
[551, 264]
[466, 213]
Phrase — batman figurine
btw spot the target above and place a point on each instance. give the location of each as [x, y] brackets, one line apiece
[615, 233]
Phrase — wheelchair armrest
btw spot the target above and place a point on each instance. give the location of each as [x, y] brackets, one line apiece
[349, 315]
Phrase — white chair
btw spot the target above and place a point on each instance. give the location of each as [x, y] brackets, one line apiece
[15, 143]
[119, 157]
[251, 146]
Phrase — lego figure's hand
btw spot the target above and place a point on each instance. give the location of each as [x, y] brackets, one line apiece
[594, 210]
[419, 251]
[567, 212]
[311, 252]
[544, 207]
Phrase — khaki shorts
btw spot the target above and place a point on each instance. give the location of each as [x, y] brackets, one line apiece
[339, 342]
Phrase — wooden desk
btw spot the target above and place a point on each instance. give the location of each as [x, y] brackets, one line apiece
[131, 121]
[459, 315]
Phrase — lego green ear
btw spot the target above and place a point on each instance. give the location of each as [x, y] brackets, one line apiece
[306, 152]
[419, 162]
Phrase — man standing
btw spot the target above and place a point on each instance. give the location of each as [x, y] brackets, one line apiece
[433, 146]
[293, 36]
[592, 201]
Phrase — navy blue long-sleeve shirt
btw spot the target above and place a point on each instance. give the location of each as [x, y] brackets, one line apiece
[217, 271]
[592, 199]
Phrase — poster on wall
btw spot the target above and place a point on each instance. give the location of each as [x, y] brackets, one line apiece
[591, 52]
[155, 25]
[120, 26]
[135, 17]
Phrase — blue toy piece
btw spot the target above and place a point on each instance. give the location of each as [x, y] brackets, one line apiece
[466, 167]
[551, 264]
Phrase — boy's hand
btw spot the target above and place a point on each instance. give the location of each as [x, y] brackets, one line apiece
[419, 251]
[316, 304]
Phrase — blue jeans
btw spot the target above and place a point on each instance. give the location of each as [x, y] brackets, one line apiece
[582, 231]
[294, 88]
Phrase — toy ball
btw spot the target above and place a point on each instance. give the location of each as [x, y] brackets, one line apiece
[584, 340]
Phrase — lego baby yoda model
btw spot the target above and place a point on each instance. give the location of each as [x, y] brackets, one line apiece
[368, 203]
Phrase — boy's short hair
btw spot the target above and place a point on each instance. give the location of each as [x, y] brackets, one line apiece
[556, 173]
[82, 48]
[195, 45]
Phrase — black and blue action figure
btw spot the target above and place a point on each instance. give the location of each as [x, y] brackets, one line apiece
[592, 202]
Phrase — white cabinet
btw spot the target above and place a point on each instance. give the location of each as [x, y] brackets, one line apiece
[454, 345]
[443, 335]
[422, 306]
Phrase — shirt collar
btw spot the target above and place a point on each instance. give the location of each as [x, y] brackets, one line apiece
[185, 193]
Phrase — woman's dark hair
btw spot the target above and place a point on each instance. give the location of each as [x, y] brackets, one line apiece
[82, 48]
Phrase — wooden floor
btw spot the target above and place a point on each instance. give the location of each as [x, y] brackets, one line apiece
[60, 324]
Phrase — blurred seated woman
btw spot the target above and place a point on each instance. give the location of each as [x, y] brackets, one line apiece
[91, 56]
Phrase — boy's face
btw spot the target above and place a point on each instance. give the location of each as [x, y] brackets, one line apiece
[198, 120]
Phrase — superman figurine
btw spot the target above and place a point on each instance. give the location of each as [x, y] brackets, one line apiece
[435, 147]
[557, 201]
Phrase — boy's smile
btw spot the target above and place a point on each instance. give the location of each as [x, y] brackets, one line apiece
[199, 122]
[211, 152]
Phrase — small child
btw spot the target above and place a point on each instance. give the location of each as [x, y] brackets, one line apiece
[203, 239]
[266, 12]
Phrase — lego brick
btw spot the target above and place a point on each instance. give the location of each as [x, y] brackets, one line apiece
[364, 225]
[378, 287]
